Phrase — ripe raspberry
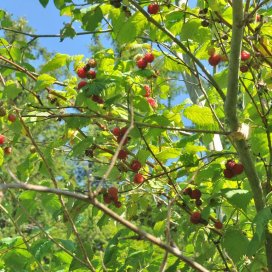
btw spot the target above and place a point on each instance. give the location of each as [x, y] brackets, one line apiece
[119, 138]
[135, 166]
[141, 63]
[238, 169]
[245, 55]
[117, 204]
[138, 178]
[91, 74]
[113, 193]
[195, 217]
[98, 99]
[81, 84]
[123, 130]
[218, 225]
[196, 194]
[153, 8]
[12, 117]
[81, 72]
[116, 131]
[230, 164]
[228, 173]
[188, 191]
[122, 155]
[149, 57]
[152, 102]
[2, 139]
[107, 199]
[147, 91]
[243, 68]
[214, 59]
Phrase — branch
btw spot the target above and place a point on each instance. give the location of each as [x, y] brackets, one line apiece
[154, 240]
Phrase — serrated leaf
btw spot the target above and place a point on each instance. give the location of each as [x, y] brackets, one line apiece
[201, 116]
[238, 198]
[235, 243]
[43, 81]
[56, 62]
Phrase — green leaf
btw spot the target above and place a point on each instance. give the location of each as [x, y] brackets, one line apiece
[59, 3]
[132, 28]
[201, 116]
[238, 198]
[235, 243]
[44, 2]
[92, 18]
[80, 148]
[15, 259]
[169, 153]
[159, 228]
[1, 156]
[50, 202]
[56, 62]
[43, 81]
[11, 90]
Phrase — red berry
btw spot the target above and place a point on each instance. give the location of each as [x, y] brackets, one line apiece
[258, 17]
[107, 199]
[98, 99]
[196, 194]
[122, 155]
[120, 137]
[91, 74]
[117, 204]
[116, 131]
[81, 84]
[153, 8]
[230, 164]
[152, 102]
[238, 169]
[228, 173]
[138, 178]
[195, 217]
[123, 130]
[243, 68]
[149, 57]
[141, 63]
[198, 202]
[147, 91]
[135, 166]
[214, 59]
[245, 55]
[12, 117]
[7, 150]
[188, 191]
[2, 139]
[81, 72]
[92, 63]
[113, 193]
[211, 51]
[218, 225]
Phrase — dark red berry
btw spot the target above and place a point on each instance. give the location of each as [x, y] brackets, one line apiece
[107, 198]
[196, 194]
[214, 59]
[135, 166]
[228, 173]
[81, 72]
[91, 74]
[245, 55]
[243, 68]
[12, 117]
[117, 204]
[122, 155]
[238, 169]
[187, 191]
[153, 8]
[198, 202]
[218, 225]
[116, 131]
[98, 99]
[141, 63]
[81, 84]
[149, 57]
[120, 137]
[230, 164]
[123, 130]
[195, 217]
[113, 193]
[138, 178]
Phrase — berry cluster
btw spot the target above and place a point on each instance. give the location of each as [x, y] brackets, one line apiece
[193, 194]
[112, 196]
[151, 101]
[86, 72]
[233, 169]
[143, 61]
[202, 14]
[245, 56]
[119, 133]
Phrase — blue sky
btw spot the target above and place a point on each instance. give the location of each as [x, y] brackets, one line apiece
[47, 21]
